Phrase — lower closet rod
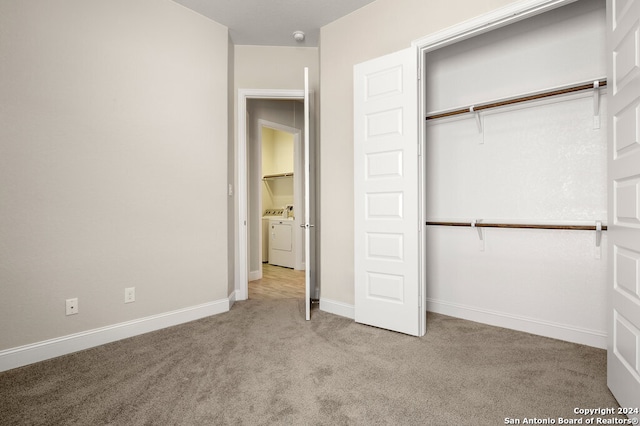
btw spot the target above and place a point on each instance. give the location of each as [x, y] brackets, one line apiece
[519, 226]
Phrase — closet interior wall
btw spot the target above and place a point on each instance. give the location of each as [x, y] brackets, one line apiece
[538, 162]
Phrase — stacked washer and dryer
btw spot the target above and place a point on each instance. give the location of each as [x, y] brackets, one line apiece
[278, 246]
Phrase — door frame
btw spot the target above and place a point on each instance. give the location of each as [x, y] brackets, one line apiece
[241, 282]
[507, 15]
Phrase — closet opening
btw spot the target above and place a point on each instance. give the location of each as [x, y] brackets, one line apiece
[515, 160]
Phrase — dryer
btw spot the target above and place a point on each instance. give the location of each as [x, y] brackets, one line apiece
[281, 243]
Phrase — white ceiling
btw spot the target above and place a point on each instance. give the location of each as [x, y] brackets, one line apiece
[272, 22]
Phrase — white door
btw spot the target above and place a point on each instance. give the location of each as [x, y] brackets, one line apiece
[623, 349]
[307, 208]
[387, 228]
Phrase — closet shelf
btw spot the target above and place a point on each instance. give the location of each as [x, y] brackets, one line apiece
[277, 176]
[519, 226]
[525, 98]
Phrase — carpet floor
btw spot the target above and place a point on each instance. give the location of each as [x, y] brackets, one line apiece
[262, 364]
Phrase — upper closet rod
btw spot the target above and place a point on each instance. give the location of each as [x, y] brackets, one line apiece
[277, 176]
[520, 226]
[560, 91]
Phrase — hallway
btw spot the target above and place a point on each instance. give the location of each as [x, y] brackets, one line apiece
[277, 283]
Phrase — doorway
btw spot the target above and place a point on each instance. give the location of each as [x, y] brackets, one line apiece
[276, 189]
[280, 110]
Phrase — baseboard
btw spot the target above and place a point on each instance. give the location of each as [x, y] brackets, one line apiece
[240, 294]
[337, 308]
[564, 332]
[36, 352]
[255, 275]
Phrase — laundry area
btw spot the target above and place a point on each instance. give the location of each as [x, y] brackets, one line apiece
[275, 185]
[535, 169]
[277, 198]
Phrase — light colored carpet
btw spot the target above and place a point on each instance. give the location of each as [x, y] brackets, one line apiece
[262, 364]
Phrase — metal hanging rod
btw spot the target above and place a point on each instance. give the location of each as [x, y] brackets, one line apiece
[520, 226]
[541, 95]
[277, 176]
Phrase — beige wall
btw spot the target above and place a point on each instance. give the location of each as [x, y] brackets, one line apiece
[272, 67]
[116, 154]
[377, 29]
[113, 154]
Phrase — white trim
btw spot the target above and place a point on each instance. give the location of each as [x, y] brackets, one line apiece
[255, 275]
[337, 308]
[241, 265]
[495, 19]
[281, 127]
[40, 351]
[307, 196]
[560, 331]
[240, 294]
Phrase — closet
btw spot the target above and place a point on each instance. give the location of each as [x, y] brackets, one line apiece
[515, 192]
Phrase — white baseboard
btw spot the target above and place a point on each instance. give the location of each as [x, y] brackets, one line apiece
[255, 275]
[40, 351]
[240, 294]
[337, 308]
[564, 332]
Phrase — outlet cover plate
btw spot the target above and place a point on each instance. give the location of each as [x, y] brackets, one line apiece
[129, 294]
[72, 306]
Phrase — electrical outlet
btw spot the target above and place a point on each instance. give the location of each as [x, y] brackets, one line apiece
[72, 306]
[129, 294]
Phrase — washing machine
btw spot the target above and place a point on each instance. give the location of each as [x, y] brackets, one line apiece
[268, 215]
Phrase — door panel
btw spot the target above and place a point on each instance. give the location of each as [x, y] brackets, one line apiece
[307, 206]
[386, 198]
[623, 360]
